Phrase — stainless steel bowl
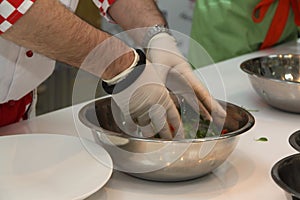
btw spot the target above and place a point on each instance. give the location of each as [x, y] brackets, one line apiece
[276, 78]
[294, 140]
[286, 173]
[158, 159]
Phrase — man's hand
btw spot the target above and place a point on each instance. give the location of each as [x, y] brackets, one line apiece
[147, 108]
[162, 49]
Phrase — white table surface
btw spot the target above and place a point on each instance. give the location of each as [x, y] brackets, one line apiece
[245, 175]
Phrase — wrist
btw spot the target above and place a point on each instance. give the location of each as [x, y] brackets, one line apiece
[153, 31]
[127, 77]
[161, 40]
[119, 65]
[160, 45]
[122, 75]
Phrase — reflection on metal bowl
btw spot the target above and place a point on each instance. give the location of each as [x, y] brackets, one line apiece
[159, 159]
[286, 173]
[276, 78]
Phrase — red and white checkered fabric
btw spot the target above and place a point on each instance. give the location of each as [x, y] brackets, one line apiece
[11, 11]
[103, 6]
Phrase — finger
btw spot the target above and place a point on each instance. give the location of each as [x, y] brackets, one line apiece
[174, 99]
[208, 103]
[204, 112]
[233, 118]
[181, 88]
[147, 131]
[156, 125]
[174, 121]
[217, 109]
[197, 106]
[165, 132]
[186, 84]
[157, 114]
[159, 122]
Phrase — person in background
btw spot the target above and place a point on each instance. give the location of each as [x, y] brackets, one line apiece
[35, 33]
[231, 28]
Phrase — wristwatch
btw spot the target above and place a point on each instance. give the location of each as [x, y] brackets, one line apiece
[152, 31]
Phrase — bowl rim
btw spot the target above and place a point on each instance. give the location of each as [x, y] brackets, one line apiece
[277, 179]
[250, 73]
[83, 110]
[292, 140]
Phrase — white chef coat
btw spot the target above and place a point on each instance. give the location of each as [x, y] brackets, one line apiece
[19, 73]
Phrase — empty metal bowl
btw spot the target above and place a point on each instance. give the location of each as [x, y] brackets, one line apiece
[276, 78]
[286, 173]
[158, 159]
[294, 140]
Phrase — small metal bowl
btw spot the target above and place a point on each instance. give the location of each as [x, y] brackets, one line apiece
[276, 78]
[286, 173]
[158, 159]
[294, 140]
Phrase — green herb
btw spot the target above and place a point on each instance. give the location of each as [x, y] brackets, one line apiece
[262, 139]
[205, 129]
[197, 127]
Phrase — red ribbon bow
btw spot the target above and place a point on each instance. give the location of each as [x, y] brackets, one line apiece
[279, 20]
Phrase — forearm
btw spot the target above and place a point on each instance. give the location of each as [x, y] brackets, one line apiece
[131, 14]
[52, 30]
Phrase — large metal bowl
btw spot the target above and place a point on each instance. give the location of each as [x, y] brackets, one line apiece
[276, 78]
[158, 159]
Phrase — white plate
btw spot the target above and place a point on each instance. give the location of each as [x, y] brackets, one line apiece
[51, 167]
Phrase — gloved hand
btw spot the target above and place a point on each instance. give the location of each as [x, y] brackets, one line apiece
[146, 106]
[162, 49]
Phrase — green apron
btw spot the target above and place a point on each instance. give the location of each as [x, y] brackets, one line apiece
[225, 28]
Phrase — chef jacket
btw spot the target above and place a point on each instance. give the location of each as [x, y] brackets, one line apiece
[22, 70]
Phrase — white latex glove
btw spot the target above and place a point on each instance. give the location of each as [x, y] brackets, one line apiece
[162, 49]
[146, 107]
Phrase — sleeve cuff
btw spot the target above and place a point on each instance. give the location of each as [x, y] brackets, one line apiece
[103, 6]
[11, 11]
